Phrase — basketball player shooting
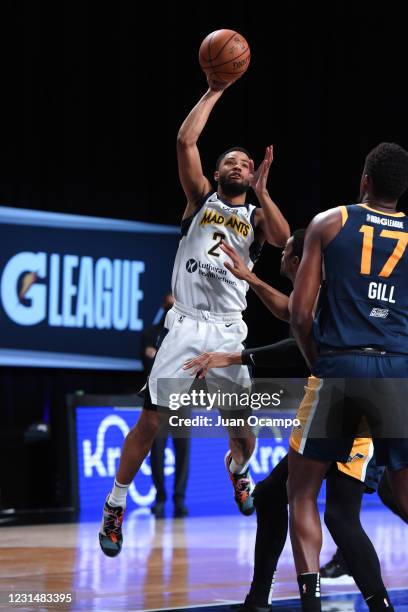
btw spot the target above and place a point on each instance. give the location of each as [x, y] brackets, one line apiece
[207, 314]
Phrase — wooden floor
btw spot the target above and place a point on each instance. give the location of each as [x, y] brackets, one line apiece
[166, 563]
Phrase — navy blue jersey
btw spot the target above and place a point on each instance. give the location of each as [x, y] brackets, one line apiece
[364, 297]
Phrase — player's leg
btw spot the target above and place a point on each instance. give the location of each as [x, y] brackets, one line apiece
[387, 416]
[387, 497]
[138, 443]
[342, 517]
[135, 449]
[157, 455]
[399, 486]
[307, 468]
[175, 344]
[304, 482]
[242, 445]
[182, 451]
[271, 503]
[362, 468]
[236, 381]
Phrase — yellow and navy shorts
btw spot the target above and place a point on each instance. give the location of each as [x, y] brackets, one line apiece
[360, 450]
[339, 415]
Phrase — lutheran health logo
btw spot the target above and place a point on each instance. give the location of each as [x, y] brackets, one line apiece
[191, 266]
[208, 270]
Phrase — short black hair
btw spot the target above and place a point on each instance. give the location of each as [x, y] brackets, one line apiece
[221, 157]
[387, 166]
[298, 242]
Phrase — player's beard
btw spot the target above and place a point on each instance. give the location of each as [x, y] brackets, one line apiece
[232, 188]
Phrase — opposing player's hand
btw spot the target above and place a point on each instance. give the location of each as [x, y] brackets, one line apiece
[258, 178]
[238, 267]
[204, 362]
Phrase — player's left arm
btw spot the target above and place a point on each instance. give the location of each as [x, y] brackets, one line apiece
[270, 224]
[321, 231]
[306, 289]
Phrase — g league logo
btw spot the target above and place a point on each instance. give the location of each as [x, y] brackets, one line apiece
[72, 291]
[191, 266]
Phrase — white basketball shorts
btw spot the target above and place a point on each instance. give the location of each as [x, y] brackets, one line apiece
[188, 333]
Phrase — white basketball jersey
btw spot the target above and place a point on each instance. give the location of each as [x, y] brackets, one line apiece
[200, 279]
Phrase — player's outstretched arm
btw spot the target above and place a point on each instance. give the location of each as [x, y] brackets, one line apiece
[200, 365]
[283, 353]
[270, 222]
[193, 181]
[274, 300]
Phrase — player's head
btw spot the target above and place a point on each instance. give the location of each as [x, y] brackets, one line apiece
[292, 254]
[232, 171]
[385, 174]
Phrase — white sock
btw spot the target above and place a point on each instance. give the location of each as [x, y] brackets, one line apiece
[117, 497]
[238, 468]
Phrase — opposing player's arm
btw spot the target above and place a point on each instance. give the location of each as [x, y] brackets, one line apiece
[303, 298]
[322, 229]
[201, 365]
[193, 181]
[284, 352]
[270, 224]
[274, 300]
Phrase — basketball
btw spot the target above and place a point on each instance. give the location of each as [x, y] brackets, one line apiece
[224, 55]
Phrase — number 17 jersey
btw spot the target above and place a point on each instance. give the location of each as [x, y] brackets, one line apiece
[200, 279]
[364, 297]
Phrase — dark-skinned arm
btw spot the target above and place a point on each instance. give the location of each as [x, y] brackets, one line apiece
[270, 223]
[274, 300]
[193, 181]
[321, 231]
[306, 289]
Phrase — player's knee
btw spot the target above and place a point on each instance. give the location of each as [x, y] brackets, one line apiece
[149, 424]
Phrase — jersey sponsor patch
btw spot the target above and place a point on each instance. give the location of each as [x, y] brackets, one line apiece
[380, 313]
[209, 271]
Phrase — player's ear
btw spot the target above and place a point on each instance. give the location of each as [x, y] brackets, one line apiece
[216, 175]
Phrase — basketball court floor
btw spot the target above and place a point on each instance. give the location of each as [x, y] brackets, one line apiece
[184, 564]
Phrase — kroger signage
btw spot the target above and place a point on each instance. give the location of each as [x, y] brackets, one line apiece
[77, 291]
[100, 433]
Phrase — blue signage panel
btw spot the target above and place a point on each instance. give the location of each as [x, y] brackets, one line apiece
[77, 291]
[100, 433]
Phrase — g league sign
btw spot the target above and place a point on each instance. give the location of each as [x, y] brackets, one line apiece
[77, 291]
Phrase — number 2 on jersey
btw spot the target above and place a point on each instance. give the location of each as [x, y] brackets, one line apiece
[366, 254]
[213, 249]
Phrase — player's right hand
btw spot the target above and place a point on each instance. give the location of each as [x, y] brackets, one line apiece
[215, 85]
[238, 267]
[204, 362]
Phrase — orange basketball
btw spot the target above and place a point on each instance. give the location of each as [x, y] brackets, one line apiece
[224, 55]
